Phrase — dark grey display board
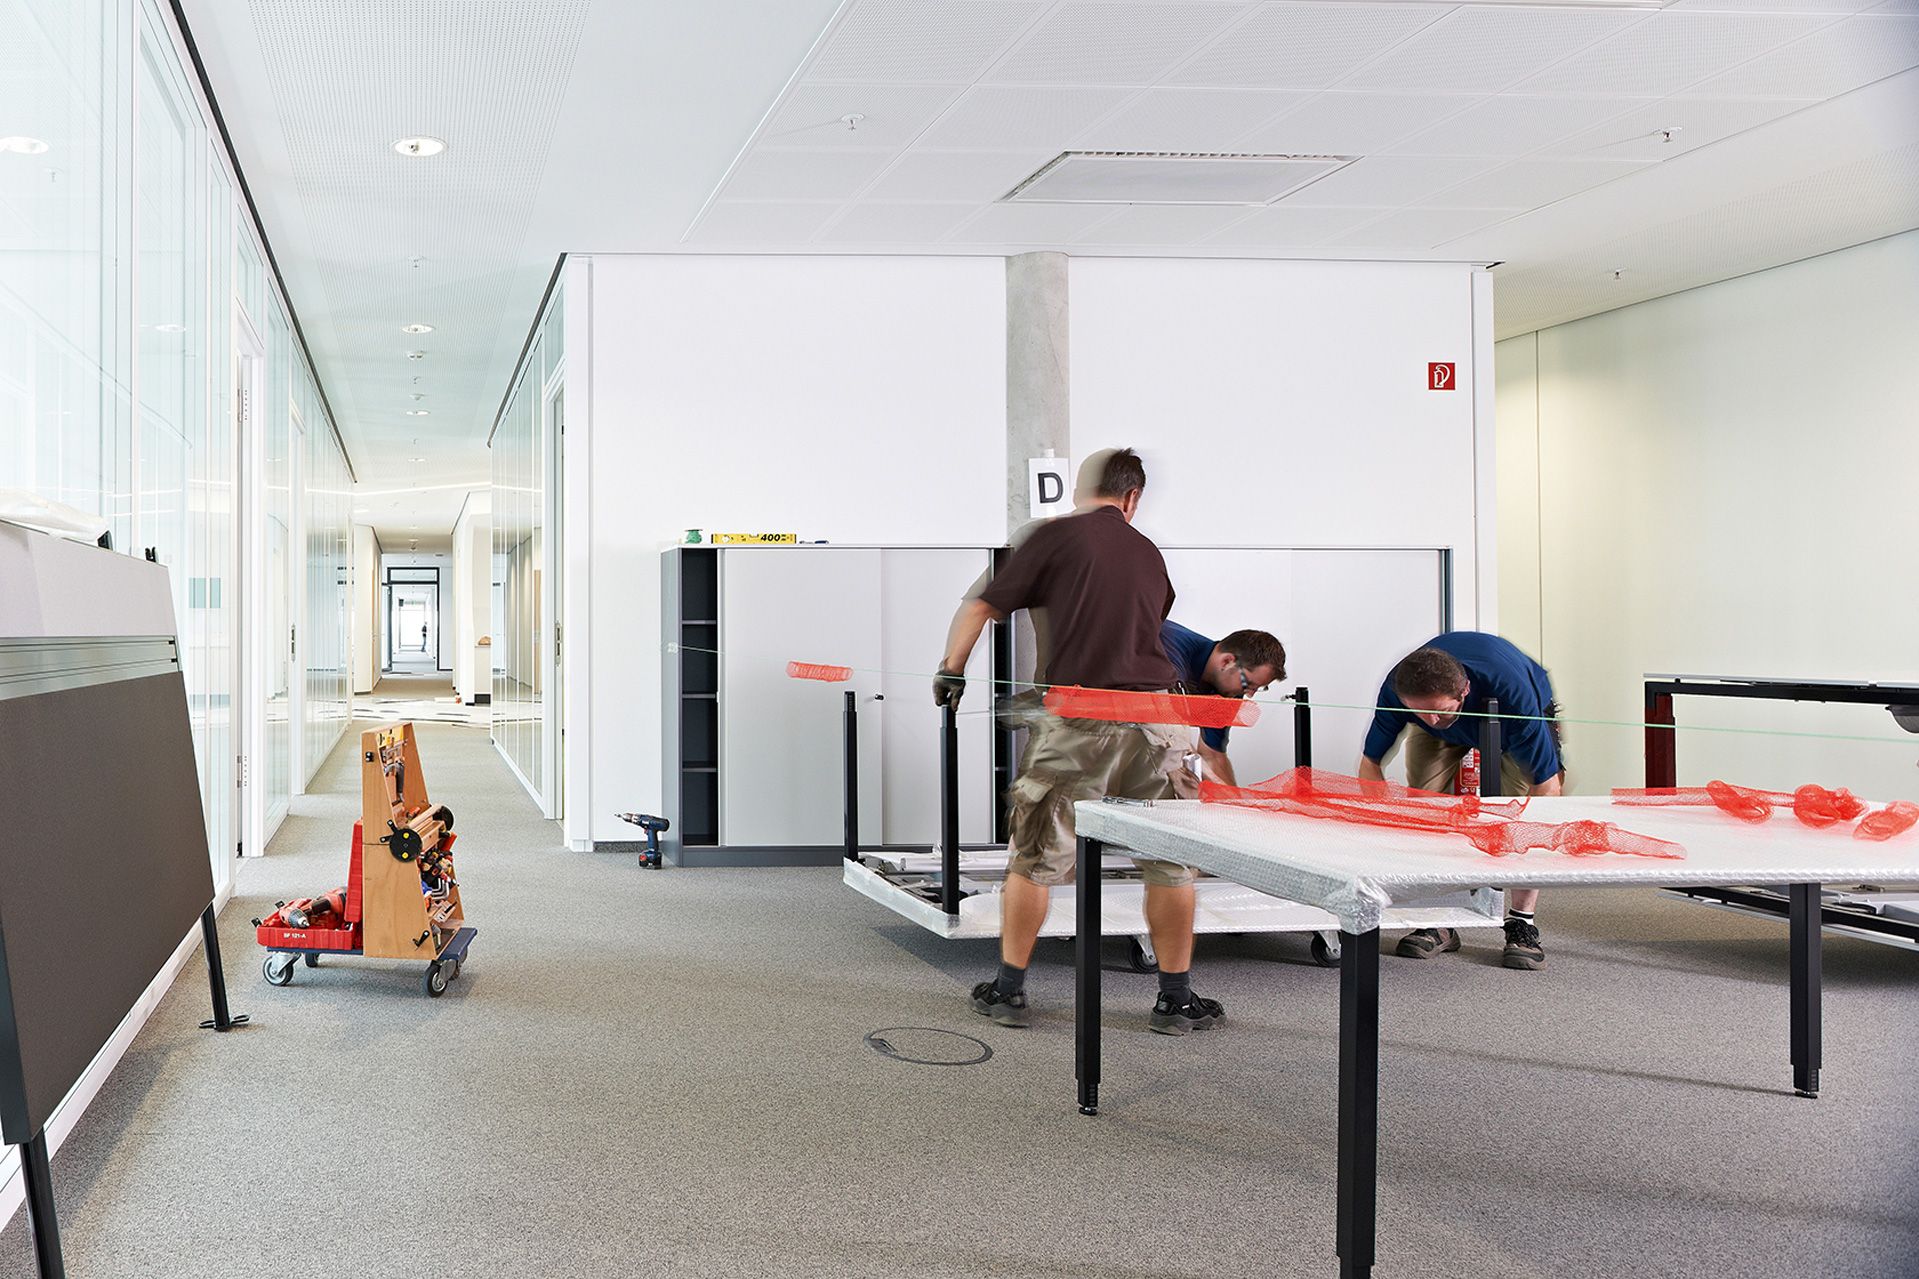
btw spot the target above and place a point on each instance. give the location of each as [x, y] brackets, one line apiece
[103, 871]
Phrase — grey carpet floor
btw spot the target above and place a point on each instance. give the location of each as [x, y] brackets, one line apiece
[665, 1073]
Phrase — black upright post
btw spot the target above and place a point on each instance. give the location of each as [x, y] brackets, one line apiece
[1805, 947]
[949, 810]
[222, 1019]
[1302, 728]
[852, 767]
[41, 1217]
[1358, 1100]
[1086, 939]
[1490, 782]
[1662, 753]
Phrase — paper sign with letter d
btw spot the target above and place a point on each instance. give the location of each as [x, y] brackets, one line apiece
[1047, 490]
[1439, 377]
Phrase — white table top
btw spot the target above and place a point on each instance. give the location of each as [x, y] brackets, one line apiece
[1355, 871]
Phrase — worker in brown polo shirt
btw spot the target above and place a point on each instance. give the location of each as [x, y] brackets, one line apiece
[1105, 590]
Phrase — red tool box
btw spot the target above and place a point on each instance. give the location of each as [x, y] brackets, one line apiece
[275, 935]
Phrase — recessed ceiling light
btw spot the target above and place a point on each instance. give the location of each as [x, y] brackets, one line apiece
[419, 146]
[416, 459]
[169, 328]
[417, 412]
[18, 145]
[416, 355]
[416, 328]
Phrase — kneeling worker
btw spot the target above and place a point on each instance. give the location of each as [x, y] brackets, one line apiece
[1105, 590]
[1429, 690]
[1244, 664]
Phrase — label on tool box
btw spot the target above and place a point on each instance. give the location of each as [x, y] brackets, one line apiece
[754, 539]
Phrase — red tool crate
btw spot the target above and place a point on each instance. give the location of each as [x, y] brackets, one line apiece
[274, 934]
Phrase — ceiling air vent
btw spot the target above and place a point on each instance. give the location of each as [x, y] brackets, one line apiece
[1172, 177]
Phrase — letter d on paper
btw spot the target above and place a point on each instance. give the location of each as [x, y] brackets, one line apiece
[1047, 491]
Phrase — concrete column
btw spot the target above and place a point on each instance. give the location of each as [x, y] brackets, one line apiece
[1037, 416]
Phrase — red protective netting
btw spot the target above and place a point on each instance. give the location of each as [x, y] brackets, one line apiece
[1074, 702]
[1895, 818]
[813, 670]
[1492, 828]
[1814, 805]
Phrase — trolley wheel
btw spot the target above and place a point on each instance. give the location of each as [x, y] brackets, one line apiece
[1325, 951]
[435, 979]
[446, 817]
[278, 969]
[313, 960]
[452, 967]
[1141, 956]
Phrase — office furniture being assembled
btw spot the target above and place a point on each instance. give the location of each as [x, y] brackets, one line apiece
[953, 890]
[1878, 912]
[105, 833]
[1358, 872]
[402, 900]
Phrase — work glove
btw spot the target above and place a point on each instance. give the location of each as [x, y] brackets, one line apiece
[948, 687]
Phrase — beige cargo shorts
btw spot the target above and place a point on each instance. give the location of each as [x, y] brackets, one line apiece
[1068, 760]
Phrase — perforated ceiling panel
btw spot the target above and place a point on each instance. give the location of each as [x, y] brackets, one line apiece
[1113, 43]
[1352, 123]
[1826, 63]
[805, 175]
[1640, 133]
[978, 176]
[1390, 181]
[1670, 51]
[1528, 184]
[1304, 46]
[909, 40]
[1009, 116]
[1511, 126]
[890, 115]
[1420, 229]
[348, 79]
[1486, 49]
[1187, 119]
[1287, 227]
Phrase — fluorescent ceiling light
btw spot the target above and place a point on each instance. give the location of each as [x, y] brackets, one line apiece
[419, 146]
[417, 412]
[416, 328]
[18, 145]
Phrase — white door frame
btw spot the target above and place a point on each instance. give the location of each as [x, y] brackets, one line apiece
[249, 522]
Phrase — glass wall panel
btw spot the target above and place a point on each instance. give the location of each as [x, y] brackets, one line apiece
[211, 598]
[521, 631]
[328, 599]
[279, 573]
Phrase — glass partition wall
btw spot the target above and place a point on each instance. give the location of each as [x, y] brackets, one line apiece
[527, 643]
[132, 386]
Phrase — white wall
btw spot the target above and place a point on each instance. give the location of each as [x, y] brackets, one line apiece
[366, 609]
[472, 587]
[1724, 484]
[1285, 403]
[852, 399]
[420, 559]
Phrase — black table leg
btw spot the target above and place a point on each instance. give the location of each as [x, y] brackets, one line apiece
[1804, 915]
[1086, 939]
[41, 1219]
[222, 1019]
[1358, 1100]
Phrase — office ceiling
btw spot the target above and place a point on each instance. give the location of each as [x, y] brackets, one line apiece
[1602, 153]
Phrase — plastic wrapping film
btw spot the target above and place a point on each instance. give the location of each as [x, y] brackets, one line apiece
[1122, 707]
[1355, 871]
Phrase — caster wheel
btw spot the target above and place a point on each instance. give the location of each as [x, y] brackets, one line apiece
[1141, 955]
[446, 817]
[278, 970]
[312, 961]
[452, 967]
[1325, 953]
[435, 980]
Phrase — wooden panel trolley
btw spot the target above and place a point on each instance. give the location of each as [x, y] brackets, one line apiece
[401, 899]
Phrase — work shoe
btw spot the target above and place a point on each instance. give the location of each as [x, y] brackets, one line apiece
[1170, 1018]
[1427, 942]
[1522, 946]
[1007, 1010]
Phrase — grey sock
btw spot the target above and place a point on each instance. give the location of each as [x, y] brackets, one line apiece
[1011, 980]
[1176, 986]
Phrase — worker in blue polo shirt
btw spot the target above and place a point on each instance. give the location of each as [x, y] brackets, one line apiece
[1241, 665]
[1441, 691]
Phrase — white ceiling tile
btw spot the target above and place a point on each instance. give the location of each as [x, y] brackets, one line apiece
[762, 223]
[978, 176]
[1303, 46]
[1186, 120]
[883, 223]
[921, 40]
[1897, 6]
[804, 175]
[1486, 49]
[1775, 6]
[1008, 117]
[1161, 225]
[1510, 125]
[1826, 63]
[1697, 121]
[1528, 184]
[1285, 227]
[1420, 228]
[1031, 223]
[1112, 43]
[1351, 123]
[895, 114]
[1669, 51]
[1388, 181]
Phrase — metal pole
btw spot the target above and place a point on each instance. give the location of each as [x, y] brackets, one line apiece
[852, 766]
[222, 1019]
[1302, 728]
[949, 810]
[1489, 751]
[1662, 764]
[1804, 921]
[41, 1217]
[1086, 939]
[1358, 1101]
